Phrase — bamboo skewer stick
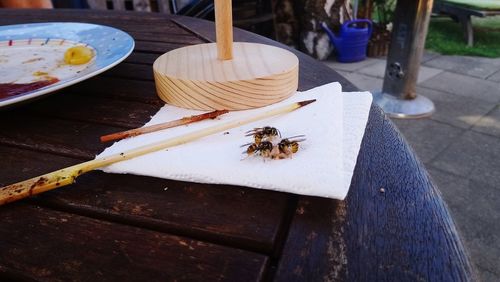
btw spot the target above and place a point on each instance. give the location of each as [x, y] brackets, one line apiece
[161, 126]
[68, 175]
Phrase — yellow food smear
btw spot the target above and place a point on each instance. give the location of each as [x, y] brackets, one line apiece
[78, 55]
[40, 73]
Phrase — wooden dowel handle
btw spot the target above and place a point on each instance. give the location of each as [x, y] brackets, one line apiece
[224, 29]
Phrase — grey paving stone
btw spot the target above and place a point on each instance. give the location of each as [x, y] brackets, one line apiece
[425, 73]
[467, 196]
[485, 251]
[427, 137]
[343, 73]
[490, 123]
[456, 190]
[455, 110]
[480, 239]
[364, 82]
[428, 55]
[474, 156]
[472, 66]
[495, 77]
[475, 210]
[350, 67]
[378, 70]
[487, 276]
[463, 85]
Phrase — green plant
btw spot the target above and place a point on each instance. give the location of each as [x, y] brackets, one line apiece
[446, 37]
[383, 11]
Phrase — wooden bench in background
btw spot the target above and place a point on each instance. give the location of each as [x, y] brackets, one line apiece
[462, 13]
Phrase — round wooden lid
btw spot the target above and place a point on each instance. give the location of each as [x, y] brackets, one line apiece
[258, 75]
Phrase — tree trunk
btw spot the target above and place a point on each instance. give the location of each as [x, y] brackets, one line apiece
[286, 22]
[298, 23]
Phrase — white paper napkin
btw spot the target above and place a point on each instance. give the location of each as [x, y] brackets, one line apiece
[323, 166]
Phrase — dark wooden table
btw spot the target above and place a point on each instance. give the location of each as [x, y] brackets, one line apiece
[125, 227]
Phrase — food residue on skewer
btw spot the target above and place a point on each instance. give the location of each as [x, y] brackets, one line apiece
[153, 128]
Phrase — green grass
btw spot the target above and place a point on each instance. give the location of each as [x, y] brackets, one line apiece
[446, 37]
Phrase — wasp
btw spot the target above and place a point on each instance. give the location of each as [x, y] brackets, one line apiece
[266, 133]
[282, 150]
[287, 147]
[264, 149]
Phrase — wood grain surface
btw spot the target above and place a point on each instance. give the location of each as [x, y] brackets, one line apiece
[194, 77]
[51, 245]
[125, 227]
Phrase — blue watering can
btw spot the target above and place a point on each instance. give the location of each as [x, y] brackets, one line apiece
[351, 44]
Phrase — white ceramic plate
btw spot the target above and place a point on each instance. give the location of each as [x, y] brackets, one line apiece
[34, 52]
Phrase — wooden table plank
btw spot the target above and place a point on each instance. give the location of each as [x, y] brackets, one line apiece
[89, 249]
[201, 211]
[131, 71]
[186, 39]
[112, 112]
[123, 89]
[142, 58]
[311, 252]
[194, 210]
[56, 136]
[156, 47]
[127, 21]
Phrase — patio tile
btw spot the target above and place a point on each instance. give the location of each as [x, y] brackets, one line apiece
[486, 275]
[480, 239]
[490, 123]
[475, 211]
[364, 82]
[484, 250]
[378, 70]
[456, 190]
[470, 197]
[428, 55]
[350, 67]
[464, 86]
[495, 77]
[425, 73]
[427, 137]
[472, 155]
[472, 66]
[462, 112]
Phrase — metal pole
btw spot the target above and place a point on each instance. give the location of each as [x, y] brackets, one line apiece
[398, 97]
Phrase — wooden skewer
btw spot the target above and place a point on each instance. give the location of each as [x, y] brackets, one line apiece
[161, 126]
[68, 175]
